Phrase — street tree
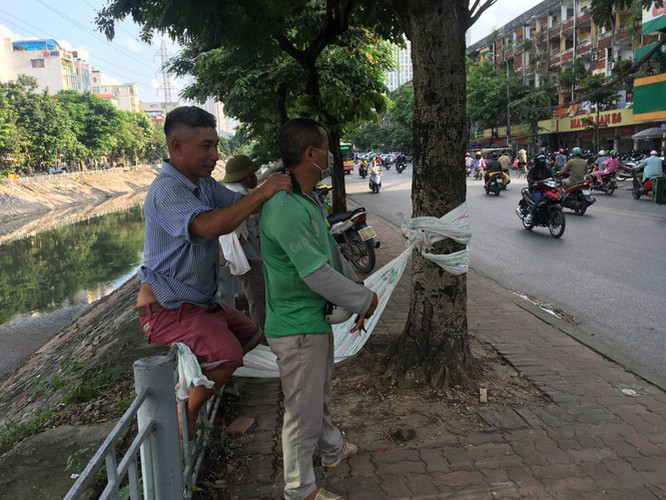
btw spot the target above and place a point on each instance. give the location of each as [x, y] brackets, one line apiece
[599, 91]
[486, 94]
[532, 107]
[95, 121]
[264, 31]
[434, 346]
[603, 11]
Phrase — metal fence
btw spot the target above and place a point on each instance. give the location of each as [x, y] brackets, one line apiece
[169, 470]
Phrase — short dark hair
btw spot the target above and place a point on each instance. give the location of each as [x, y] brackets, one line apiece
[295, 136]
[187, 116]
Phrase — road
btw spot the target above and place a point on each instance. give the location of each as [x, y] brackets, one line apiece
[607, 272]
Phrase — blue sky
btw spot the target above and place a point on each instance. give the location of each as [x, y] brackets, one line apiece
[127, 59]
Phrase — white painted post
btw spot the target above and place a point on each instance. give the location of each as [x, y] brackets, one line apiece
[163, 465]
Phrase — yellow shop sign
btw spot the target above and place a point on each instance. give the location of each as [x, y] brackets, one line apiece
[611, 118]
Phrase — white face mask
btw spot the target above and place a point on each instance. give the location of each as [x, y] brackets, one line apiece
[325, 172]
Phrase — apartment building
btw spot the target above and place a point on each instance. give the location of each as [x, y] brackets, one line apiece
[123, 95]
[50, 64]
[403, 71]
[553, 36]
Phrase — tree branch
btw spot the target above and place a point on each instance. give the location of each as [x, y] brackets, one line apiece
[474, 16]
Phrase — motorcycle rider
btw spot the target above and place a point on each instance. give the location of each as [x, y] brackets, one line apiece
[494, 165]
[576, 167]
[468, 163]
[652, 169]
[479, 165]
[560, 159]
[612, 164]
[538, 173]
[376, 172]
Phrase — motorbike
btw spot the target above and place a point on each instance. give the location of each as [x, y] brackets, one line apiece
[548, 213]
[626, 171]
[636, 189]
[363, 169]
[478, 173]
[400, 166]
[577, 196]
[355, 237]
[375, 181]
[608, 182]
[494, 182]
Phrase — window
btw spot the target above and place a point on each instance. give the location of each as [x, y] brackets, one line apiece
[37, 63]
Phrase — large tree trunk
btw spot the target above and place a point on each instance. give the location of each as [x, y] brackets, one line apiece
[434, 347]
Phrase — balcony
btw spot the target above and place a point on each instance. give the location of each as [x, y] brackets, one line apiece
[583, 49]
[568, 24]
[567, 55]
[554, 60]
[583, 19]
[542, 66]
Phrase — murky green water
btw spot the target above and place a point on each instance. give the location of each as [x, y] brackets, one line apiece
[48, 279]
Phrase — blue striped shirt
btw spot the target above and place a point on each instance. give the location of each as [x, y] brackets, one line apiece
[177, 265]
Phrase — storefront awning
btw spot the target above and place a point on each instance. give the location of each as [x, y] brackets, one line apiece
[650, 133]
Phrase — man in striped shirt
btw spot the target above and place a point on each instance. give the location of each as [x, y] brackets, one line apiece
[186, 210]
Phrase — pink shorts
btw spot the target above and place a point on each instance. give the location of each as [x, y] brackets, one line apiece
[218, 335]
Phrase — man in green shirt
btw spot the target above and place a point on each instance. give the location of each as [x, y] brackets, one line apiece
[301, 274]
[576, 166]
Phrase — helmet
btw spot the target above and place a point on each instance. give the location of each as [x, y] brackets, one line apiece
[653, 153]
[540, 160]
[602, 152]
[613, 153]
[478, 154]
[577, 151]
[335, 314]
[466, 154]
[494, 155]
[561, 151]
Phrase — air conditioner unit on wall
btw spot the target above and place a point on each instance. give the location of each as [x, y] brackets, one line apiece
[595, 57]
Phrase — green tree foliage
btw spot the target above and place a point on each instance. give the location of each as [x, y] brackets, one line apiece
[38, 129]
[486, 94]
[271, 60]
[95, 121]
[603, 10]
[394, 132]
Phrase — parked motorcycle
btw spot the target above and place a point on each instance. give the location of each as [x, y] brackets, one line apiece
[375, 181]
[577, 196]
[548, 213]
[355, 237]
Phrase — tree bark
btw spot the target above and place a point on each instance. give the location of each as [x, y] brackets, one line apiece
[434, 347]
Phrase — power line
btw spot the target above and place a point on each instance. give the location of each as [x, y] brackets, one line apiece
[92, 33]
[48, 35]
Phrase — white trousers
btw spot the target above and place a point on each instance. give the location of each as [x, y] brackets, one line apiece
[305, 363]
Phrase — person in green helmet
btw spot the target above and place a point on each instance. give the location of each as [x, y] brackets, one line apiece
[575, 167]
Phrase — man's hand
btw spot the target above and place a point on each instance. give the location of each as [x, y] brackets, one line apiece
[275, 183]
[360, 320]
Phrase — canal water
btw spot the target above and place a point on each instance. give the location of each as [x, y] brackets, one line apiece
[48, 279]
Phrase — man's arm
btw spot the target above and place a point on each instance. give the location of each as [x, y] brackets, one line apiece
[220, 221]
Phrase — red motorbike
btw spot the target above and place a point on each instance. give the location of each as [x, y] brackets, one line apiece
[549, 211]
[577, 196]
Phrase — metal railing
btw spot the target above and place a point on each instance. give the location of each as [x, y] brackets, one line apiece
[167, 471]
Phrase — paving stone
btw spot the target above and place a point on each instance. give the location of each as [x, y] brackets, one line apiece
[434, 460]
[457, 458]
[239, 426]
[361, 465]
[421, 486]
[396, 455]
[394, 486]
[503, 419]
[363, 488]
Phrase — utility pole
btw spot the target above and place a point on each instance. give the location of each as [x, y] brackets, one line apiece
[508, 101]
[166, 82]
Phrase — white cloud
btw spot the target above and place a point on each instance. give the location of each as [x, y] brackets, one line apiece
[5, 32]
[131, 44]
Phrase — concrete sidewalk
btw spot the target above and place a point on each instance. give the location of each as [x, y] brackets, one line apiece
[604, 436]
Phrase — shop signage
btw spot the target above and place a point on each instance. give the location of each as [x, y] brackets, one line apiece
[52, 53]
[611, 118]
[654, 19]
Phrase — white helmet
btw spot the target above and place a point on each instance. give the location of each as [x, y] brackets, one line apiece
[602, 152]
[335, 314]
[654, 152]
